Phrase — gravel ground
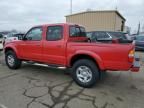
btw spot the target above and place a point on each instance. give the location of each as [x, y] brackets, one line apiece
[41, 87]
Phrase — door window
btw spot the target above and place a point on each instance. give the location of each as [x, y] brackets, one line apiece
[34, 34]
[54, 33]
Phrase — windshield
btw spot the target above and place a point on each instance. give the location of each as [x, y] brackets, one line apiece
[77, 31]
[118, 35]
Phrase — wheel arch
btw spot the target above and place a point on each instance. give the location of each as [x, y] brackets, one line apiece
[16, 63]
[11, 49]
[89, 55]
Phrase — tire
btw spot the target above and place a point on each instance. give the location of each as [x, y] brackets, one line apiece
[11, 60]
[85, 66]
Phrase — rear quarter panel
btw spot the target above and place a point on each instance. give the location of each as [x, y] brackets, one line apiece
[108, 56]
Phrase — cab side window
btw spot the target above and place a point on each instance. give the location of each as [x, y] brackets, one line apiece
[75, 31]
[34, 34]
[54, 33]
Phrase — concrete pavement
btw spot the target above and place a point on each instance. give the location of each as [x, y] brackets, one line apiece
[41, 87]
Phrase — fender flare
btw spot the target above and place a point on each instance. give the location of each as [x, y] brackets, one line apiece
[11, 48]
[95, 56]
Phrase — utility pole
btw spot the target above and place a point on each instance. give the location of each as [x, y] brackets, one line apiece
[71, 7]
[116, 2]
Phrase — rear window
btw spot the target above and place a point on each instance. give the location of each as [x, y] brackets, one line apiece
[76, 31]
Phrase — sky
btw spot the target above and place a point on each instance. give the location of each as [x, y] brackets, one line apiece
[23, 14]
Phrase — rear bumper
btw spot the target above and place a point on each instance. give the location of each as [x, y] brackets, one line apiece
[136, 65]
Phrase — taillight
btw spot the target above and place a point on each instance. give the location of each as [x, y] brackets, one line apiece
[131, 55]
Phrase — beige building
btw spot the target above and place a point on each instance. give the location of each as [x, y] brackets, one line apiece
[98, 20]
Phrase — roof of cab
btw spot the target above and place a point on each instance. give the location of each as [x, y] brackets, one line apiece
[56, 24]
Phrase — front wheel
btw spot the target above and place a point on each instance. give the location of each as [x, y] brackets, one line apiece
[11, 60]
[85, 73]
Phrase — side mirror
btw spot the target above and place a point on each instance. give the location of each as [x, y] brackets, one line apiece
[24, 38]
[20, 37]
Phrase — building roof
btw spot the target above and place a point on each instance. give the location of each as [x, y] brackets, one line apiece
[117, 12]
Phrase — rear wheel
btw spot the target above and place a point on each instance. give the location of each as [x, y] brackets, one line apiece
[11, 60]
[85, 73]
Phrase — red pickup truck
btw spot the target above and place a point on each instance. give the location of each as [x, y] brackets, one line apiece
[66, 45]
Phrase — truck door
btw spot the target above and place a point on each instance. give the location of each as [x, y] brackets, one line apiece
[54, 46]
[31, 46]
